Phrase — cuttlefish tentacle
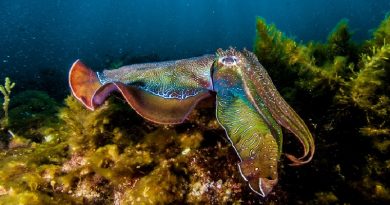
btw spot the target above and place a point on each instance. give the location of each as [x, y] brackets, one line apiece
[256, 77]
[162, 94]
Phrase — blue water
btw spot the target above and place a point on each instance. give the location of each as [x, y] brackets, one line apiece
[41, 39]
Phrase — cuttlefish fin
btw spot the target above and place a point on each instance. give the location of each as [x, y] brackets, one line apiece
[254, 75]
[155, 108]
[252, 139]
[87, 88]
[83, 83]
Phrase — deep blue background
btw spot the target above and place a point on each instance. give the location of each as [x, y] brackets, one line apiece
[44, 37]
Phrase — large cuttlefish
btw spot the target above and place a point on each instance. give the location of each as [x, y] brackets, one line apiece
[248, 106]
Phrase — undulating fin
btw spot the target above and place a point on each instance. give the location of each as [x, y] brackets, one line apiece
[164, 92]
[83, 83]
[252, 140]
[256, 77]
[152, 107]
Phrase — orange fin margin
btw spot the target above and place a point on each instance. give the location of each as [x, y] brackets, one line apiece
[83, 83]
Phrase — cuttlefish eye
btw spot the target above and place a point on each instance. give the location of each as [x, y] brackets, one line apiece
[229, 60]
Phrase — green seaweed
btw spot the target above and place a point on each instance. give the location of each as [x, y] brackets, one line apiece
[6, 91]
[348, 84]
[339, 40]
[315, 69]
[369, 88]
[381, 35]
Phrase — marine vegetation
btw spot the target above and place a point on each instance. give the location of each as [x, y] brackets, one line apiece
[343, 89]
[114, 156]
[5, 132]
[6, 91]
[249, 107]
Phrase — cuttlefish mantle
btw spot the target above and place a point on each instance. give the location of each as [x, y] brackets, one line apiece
[248, 106]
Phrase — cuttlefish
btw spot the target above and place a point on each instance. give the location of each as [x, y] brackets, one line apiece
[248, 106]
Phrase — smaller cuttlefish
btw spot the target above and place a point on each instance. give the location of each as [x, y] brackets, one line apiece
[248, 106]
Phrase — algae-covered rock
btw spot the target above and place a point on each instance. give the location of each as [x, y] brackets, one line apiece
[154, 164]
[27, 175]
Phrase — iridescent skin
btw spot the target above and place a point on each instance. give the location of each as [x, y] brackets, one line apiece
[179, 79]
[255, 135]
[248, 107]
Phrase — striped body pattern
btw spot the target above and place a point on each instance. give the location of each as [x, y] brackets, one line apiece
[170, 79]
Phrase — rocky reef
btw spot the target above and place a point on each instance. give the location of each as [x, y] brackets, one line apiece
[66, 154]
[113, 156]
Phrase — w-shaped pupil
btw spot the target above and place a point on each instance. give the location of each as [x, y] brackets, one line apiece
[228, 60]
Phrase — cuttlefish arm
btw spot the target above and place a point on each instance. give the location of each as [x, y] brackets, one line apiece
[253, 132]
[253, 141]
[262, 91]
[164, 92]
[251, 111]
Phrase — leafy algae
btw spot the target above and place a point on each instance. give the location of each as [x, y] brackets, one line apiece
[6, 91]
[349, 88]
